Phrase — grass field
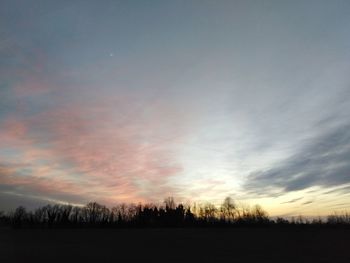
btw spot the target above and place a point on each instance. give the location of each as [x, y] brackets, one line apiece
[175, 245]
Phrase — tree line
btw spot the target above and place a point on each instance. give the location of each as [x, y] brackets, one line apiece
[170, 214]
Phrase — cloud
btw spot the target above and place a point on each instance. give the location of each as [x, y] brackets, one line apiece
[323, 161]
[83, 149]
[25, 179]
[292, 201]
[307, 202]
[339, 190]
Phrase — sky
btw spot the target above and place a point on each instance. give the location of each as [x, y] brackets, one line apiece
[135, 101]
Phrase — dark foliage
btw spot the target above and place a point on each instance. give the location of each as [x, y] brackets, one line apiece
[150, 215]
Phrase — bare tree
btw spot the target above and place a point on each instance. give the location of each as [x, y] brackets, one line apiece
[75, 215]
[208, 212]
[65, 212]
[19, 216]
[52, 212]
[259, 214]
[94, 213]
[170, 214]
[228, 209]
[169, 203]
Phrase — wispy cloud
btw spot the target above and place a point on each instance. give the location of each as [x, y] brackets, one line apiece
[292, 201]
[323, 161]
[307, 203]
[83, 149]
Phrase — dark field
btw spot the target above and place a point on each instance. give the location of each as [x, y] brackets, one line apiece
[175, 245]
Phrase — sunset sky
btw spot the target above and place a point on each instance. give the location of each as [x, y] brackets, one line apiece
[134, 101]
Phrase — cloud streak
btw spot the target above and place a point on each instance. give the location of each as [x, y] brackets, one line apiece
[322, 162]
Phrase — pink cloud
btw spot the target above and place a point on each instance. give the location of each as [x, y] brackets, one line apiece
[90, 152]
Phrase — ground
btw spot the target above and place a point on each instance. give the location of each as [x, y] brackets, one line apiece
[175, 245]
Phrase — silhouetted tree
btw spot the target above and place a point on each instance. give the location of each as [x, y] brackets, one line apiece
[228, 209]
[338, 219]
[65, 214]
[169, 203]
[94, 213]
[52, 212]
[260, 216]
[40, 215]
[151, 215]
[208, 212]
[19, 216]
[75, 216]
[189, 216]
[282, 221]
